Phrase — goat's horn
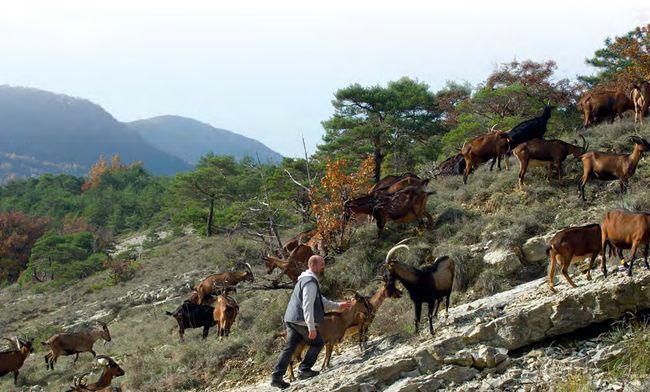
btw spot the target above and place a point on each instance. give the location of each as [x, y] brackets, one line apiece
[493, 126]
[79, 381]
[13, 343]
[392, 250]
[106, 357]
[249, 267]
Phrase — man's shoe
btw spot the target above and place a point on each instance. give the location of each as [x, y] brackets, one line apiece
[279, 383]
[308, 373]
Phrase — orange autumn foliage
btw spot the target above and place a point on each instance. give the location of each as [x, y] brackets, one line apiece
[336, 187]
[100, 168]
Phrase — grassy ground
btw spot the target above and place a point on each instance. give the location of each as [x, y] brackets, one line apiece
[489, 209]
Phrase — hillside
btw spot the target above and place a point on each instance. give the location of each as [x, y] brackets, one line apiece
[46, 132]
[191, 139]
[502, 312]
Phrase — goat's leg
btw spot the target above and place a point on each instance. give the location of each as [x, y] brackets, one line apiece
[493, 162]
[447, 306]
[206, 329]
[522, 172]
[418, 314]
[75, 358]
[591, 265]
[565, 270]
[603, 261]
[16, 377]
[551, 271]
[430, 309]
[635, 244]
[645, 256]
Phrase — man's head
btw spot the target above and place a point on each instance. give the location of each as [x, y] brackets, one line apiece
[316, 264]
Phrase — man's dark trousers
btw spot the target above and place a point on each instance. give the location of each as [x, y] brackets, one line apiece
[295, 335]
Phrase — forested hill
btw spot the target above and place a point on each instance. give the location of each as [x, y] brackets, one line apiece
[179, 135]
[49, 132]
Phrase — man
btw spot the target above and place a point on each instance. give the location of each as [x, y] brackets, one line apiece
[306, 309]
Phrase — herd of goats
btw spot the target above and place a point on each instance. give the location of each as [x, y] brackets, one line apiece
[403, 199]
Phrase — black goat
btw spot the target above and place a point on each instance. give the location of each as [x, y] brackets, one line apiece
[535, 128]
[430, 284]
[190, 315]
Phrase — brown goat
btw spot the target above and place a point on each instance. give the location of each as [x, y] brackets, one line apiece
[573, 244]
[404, 206]
[604, 105]
[492, 145]
[624, 228]
[294, 265]
[206, 286]
[300, 238]
[111, 370]
[608, 167]
[383, 184]
[225, 313]
[332, 330]
[550, 153]
[362, 323]
[12, 360]
[69, 343]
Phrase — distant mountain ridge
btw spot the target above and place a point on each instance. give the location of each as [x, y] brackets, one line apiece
[178, 136]
[44, 132]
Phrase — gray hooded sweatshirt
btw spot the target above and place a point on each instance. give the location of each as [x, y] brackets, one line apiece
[307, 306]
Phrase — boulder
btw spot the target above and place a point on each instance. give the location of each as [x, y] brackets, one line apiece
[504, 259]
[534, 249]
[457, 374]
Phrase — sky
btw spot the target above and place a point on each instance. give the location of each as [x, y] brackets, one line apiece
[269, 69]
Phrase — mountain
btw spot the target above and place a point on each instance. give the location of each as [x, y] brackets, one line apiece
[190, 139]
[43, 132]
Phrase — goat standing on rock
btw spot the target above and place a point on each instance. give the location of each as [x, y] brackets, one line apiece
[12, 360]
[430, 284]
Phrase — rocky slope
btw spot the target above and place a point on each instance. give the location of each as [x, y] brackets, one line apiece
[485, 345]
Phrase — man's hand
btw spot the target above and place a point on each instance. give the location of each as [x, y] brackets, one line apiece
[345, 305]
[312, 334]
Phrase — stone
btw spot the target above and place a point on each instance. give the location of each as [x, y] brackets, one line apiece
[488, 357]
[461, 358]
[457, 374]
[504, 259]
[534, 249]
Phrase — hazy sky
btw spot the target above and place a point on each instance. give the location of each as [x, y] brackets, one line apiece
[268, 69]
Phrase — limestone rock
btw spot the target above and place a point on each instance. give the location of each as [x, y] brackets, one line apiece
[457, 374]
[534, 249]
[505, 259]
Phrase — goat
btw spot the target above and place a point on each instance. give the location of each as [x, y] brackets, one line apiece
[206, 286]
[604, 105]
[492, 145]
[429, 284]
[12, 360]
[639, 103]
[111, 370]
[402, 207]
[190, 315]
[68, 343]
[609, 167]
[300, 238]
[294, 265]
[644, 92]
[332, 330]
[622, 229]
[548, 152]
[452, 166]
[361, 325]
[573, 244]
[535, 128]
[386, 182]
[225, 313]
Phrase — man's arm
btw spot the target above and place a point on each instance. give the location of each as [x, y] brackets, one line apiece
[309, 292]
[330, 305]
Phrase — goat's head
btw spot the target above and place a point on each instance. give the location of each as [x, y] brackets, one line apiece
[641, 142]
[26, 345]
[269, 263]
[105, 333]
[111, 366]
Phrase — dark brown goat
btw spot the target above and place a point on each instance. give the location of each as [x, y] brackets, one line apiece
[383, 184]
[550, 153]
[232, 278]
[605, 105]
[622, 229]
[608, 167]
[294, 265]
[404, 206]
[12, 360]
[573, 244]
[492, 145]
[111, 370]
[430, 284]
[300, 238]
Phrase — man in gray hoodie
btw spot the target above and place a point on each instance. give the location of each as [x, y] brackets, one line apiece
[306, 309]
